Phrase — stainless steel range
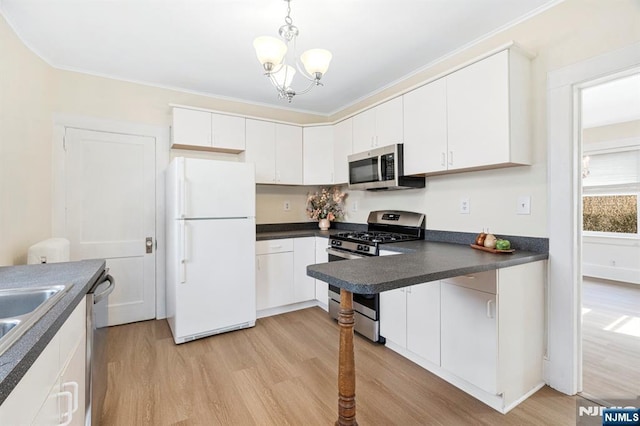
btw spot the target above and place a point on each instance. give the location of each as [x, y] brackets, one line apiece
[384, 227]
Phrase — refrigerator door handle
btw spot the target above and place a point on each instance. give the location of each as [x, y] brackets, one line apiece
[182, 198]
[183, 252]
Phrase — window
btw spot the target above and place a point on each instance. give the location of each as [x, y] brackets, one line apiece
[610, 213]
[611, 191]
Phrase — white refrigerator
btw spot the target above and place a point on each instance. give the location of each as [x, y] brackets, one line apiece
[211, 234]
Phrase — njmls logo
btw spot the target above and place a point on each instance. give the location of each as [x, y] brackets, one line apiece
[594, 410]
[615, 413]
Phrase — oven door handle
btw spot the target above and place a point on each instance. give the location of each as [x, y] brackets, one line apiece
[343, 254]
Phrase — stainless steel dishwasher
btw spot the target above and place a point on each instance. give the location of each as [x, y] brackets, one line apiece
[97, 322]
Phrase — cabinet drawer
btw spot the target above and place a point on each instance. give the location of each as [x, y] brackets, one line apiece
[274, 246]
[481, 281]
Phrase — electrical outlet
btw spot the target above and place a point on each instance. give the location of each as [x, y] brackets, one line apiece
[354, 206]
[465, 206]
[287, 206]
[524, 205]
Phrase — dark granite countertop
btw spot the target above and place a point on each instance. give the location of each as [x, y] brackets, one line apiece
[276, 231]
[278, 235]
[15, 362]
[419, 262]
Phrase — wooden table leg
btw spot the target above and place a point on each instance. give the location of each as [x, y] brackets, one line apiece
[346, 365]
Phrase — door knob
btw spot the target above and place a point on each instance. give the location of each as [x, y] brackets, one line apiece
[149, 244]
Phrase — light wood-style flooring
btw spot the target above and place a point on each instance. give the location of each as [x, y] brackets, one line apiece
[610, 339]
[284, 372]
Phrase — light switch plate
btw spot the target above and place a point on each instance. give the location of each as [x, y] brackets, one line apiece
[465, 206]
[524, 205]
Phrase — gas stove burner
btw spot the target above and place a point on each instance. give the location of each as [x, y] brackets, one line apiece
[374, 237]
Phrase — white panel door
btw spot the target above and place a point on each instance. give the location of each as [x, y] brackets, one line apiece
[261, 149]
[318, 155]
[219, 280]
[214, 189]
[425, 128]
[288, 154]
[478, 113]
[110, 182]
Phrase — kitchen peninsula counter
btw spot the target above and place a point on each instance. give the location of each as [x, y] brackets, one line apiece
[417, 262]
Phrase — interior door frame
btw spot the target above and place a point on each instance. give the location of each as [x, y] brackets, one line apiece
[58, 190]
[563, 363]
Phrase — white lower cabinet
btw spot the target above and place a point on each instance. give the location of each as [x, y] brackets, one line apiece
[470, 335]
[322, 288]
[274, 273]
[282, 283]
[483, 332]
[304, 253]
[410, 319]
[52, 392]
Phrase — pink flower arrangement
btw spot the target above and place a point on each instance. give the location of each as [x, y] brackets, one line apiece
[328, 203]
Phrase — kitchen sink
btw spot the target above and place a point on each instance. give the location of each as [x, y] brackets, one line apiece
[6, 326]
[21, 308]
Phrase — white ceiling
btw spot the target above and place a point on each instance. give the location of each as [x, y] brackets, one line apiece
[615, 101]
[205, 46]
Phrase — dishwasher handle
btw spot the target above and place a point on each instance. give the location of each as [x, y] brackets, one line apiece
[98, 297]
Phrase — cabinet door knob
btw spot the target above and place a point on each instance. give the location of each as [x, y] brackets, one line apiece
[451, 158]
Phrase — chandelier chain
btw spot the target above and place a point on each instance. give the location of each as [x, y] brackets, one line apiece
[287, 19]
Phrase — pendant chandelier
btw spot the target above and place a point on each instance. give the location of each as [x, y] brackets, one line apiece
[272, 54]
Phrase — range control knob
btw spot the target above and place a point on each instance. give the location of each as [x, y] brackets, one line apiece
[359, 247]
[366, 248]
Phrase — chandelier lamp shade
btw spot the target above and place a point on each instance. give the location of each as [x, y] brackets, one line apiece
[272, 54]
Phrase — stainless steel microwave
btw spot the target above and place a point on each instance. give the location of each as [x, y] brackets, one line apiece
[381, 169]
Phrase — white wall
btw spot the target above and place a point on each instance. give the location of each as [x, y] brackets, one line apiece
[611, 258]
[25, 148]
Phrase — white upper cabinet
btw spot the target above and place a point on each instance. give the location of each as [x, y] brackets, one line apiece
[379, 126]
[288, 154]
[364, 130]
[207, 131]
[191, 128]
[228, 132]
[276, 150]
[425, 128]
[472, 119]
[261, 149]
[342, 148]
[389, 122]
[488, 113]
[317, 154]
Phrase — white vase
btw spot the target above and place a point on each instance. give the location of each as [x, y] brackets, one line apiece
[324, 224]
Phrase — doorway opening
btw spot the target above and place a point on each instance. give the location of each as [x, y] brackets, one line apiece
[609, 197]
